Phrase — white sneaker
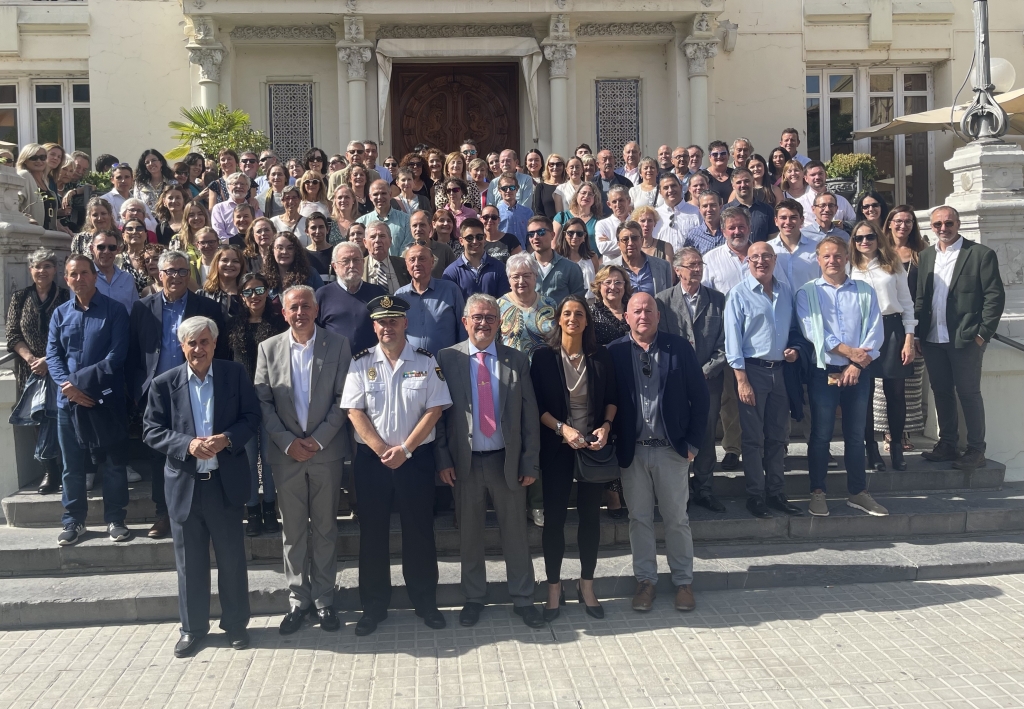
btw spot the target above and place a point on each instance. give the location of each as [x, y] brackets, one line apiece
[538, 517]
[90, 479]
[134, 477]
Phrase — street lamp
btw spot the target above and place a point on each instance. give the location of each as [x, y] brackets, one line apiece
[984, 119]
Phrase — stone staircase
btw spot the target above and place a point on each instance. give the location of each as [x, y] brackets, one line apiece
[943, 523]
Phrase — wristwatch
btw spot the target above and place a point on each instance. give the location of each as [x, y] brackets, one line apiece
[406, 451]
[558, 428]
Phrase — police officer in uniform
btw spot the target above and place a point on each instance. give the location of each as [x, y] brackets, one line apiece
[394, 395]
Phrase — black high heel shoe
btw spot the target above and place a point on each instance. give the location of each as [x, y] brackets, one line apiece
[593, 611]
[551, 613]
[874, 458]
[896, 455]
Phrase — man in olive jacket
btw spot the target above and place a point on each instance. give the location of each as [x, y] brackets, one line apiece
[960, 299]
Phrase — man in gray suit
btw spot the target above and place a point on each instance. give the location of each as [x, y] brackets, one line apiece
[489, 442]
[300, 376]
[694, 311]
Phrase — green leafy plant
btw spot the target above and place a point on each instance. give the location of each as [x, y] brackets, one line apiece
[846, 165]
[100, 181]
[210, 131]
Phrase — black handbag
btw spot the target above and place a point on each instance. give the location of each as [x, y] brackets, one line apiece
[597, 467]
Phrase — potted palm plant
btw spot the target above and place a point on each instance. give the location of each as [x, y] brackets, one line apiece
[210, 131]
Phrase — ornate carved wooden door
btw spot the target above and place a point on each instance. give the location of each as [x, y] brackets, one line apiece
[441, 104]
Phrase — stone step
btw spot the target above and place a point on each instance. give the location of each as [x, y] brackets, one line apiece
[27, 508]
[34, 551]
[151, 596]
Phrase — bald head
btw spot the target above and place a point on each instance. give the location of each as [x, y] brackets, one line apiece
[642, 317]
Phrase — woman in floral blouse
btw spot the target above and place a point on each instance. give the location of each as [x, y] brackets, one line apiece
[527, 317]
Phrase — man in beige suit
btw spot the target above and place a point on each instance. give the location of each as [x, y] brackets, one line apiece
[489, 442]
[300, 376]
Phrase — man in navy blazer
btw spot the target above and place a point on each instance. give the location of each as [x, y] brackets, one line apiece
[660, 426]
[154, 349]
[200, 416]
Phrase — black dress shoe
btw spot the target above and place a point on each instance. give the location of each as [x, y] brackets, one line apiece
[253, 521]
[551, 613]
[731, 461]
[470, 614]
[432, 618]
[971, 459]
[941, 453]
[292, 621]
[620, 513]
[780, 503]
[50, 483]
[756, 507]
[239, 639]
[530, 615]
[368, 623]
[874, 457]
[709, 502]
[896, 456]
[593, 611]
[188, 644]
[328, 620]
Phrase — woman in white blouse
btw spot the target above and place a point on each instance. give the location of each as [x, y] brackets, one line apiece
[574, 179]
[873, 259]
[645, 194]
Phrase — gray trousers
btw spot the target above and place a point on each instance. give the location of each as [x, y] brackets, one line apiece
[765, 432]
[703, 467]
[951, 369]
[731, 435]
[307, 496]
[659, 473]
[211, 520]
[487, 475]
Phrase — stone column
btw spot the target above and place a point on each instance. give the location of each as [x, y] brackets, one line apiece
[353, 54]
[207, 53]
[559, 48]
[699, 47]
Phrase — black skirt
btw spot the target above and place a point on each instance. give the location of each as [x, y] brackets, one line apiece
[889, 364]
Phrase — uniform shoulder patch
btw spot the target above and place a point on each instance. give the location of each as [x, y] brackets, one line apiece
[357, 355]
[439, 374]
[424, 352]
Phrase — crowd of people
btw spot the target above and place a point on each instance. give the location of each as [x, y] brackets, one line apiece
[238, 329]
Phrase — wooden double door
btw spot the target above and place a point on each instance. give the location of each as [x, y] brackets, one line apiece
[442, 104]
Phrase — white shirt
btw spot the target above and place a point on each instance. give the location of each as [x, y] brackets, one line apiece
[844, 212]
[801, 264]
[299, 229]
[394, 399]
[675, 223]
[633, 175]
[116, 200]
[723, 268]
[644, 198]
[892, 290]
[604, 235]
[945, 262]
[302, 370]
[200, 394]
[567, 190]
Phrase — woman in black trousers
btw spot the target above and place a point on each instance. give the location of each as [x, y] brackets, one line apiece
[576, 395]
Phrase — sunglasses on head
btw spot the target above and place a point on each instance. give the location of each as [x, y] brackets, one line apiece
[250, 292]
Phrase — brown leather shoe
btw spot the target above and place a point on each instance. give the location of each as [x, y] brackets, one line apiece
[161, 528]
[643, 598]
[684, 598]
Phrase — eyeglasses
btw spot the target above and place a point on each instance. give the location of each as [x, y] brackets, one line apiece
[352, 152]
[862, 238]
[470, 238]
[939, 225]
[250, 292]
[490, 218]
[719, 154]
[870, 205]
[316, 160]
[556, 164]
[693, 266]
[454, 190]
[576, 233]
[175, 272]
[105, 247]
[631, 237]
[538, 232]
[902, 222]
[826, 205]
[207, 242]
[266, 157]
[614, 284]
[391, 165]
[508, 188]
[134, 230]
[248, 161]
[467, 153]
[36, 158]
[761, 258]
[480, 319]
[312, 182]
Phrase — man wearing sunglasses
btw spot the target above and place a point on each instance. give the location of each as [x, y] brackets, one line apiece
[356, 155]
[111, 281]
[512, 214]
[960, 299]
[559, 277]
[154, 349]
[475, 271]
[508, 163]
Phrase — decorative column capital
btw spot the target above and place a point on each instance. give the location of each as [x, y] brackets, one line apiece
[208, 59]
[355, 58]
[558, 54]
[697, 52]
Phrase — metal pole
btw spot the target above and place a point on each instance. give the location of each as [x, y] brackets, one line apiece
[984, 118]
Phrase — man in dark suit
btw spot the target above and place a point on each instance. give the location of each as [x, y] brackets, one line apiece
[388, 272]
[489, 443]
[200, 415]
[153, 349]
[960, 299]
[660, 425]
[693, 311]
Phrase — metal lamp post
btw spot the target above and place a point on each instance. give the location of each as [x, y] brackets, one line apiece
[984, 119]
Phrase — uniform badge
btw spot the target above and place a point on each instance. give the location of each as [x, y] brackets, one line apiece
[385, 302]
[371, 374]
[439, 375]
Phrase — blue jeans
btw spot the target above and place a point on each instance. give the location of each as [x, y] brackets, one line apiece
[77, 463]
[269, 491]
[854, 401]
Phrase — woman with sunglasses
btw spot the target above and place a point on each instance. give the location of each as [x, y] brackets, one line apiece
[584, 205]
[315, 160]
[343, 213]
[455, 168]
[151, 176]
[390, 163]
[546, 199]
[871, 207]
[421, 184]
[170, 212]
[648, 218]
[498, 244]
[288, 265]
[873, 259]
[455, 188]
[793, 184]
[182, 174]
[573, 243]
[777, 160]
[336, 163]
[291, 220]
[135, 208]
[533, 165]
[41, 203]
[408, 200]
[697, 184]
[313, 190]
[136, 239]
[270, 201]
[764, 188]
[258, 319]
[574, 380]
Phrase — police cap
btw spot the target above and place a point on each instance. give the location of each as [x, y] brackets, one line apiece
[387, 306]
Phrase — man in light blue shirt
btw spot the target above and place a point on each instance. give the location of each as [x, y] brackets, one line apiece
[396, 219]
[512, 215]
[200, 394]
[111, 281]
[821, 224]
[841, 318]
[758, 315]
[508, 162]
[435, 306]
[796, 253]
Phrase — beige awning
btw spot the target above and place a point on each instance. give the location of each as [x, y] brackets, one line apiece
[939, 119]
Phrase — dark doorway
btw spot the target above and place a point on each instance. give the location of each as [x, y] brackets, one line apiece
[441, 104]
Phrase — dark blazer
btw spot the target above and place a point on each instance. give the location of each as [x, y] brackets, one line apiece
[103, 427]
[705, 332]
[552, 397]
[617, 179]
[146, 335]
[684, 395]
[168, 428]
[661, 271]
[976, 297]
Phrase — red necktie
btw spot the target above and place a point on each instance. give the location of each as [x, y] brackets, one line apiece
[485, 398]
